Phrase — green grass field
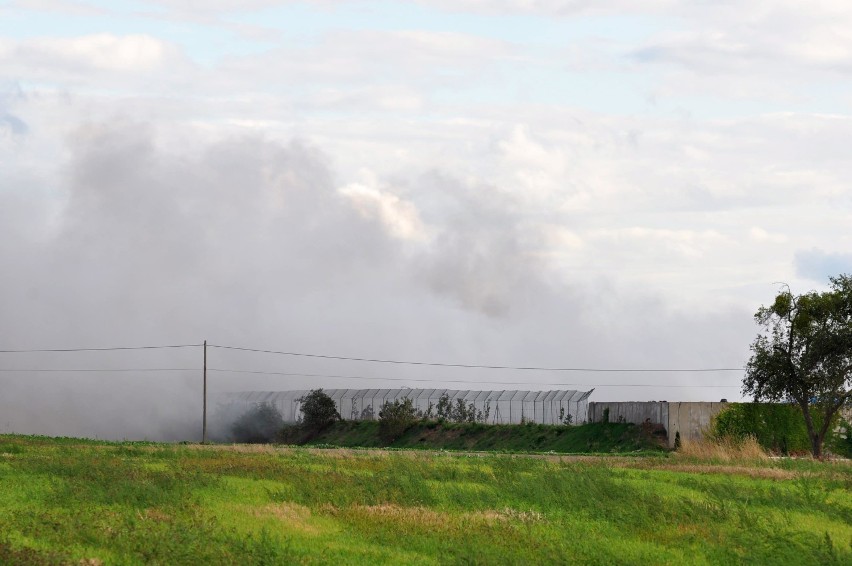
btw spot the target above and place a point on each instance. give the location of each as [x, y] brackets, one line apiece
[67, 501]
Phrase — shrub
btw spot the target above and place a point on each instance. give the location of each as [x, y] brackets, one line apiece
[444, 408]
[261, 423]
[318, 410]
[464, 413]
[428, 414]
[395, 418]
[459, 412]
[482, 416]
[840, 439]
[777, 427]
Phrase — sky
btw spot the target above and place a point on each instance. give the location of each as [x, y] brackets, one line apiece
[569, 184]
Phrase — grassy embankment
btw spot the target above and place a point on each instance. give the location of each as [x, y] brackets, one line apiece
[588, 438]
[67, 501]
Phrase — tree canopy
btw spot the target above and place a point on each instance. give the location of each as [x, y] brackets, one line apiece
[804, 355]
[318, 410]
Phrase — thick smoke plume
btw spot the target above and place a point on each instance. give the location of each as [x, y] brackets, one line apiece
[141, 240]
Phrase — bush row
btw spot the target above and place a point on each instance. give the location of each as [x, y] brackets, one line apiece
[778, 427]
[263, 422]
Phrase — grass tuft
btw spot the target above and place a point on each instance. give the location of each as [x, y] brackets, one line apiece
[725, 449]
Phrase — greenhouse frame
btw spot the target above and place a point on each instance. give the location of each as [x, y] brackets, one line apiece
[502, 407]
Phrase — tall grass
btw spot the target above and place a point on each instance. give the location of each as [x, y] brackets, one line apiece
[66, 503]
[723, 449]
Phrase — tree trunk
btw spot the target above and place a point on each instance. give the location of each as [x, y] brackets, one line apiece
[816, 439]
[816, 446]
[826, 425]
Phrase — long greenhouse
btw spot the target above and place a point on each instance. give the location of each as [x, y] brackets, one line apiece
[501, 407]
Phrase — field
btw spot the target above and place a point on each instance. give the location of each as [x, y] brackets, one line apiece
[68, 501]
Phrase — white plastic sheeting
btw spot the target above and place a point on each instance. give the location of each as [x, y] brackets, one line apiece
[503, 407]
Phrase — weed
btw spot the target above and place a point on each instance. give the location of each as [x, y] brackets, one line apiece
[11, 449]
[811, 489]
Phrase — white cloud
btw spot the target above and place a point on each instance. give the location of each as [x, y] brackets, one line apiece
[399, 217]
[214, 7]
[559, 239]
[400, 60]
[677, 244]
[135, 63]
[558, 8]
[107, 52]
[58, 6]
[761, 235]
[782, 52]
[381, 98]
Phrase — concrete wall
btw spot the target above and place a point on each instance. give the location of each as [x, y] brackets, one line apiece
[690, 419]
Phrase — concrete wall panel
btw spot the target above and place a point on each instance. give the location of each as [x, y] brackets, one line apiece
[692, 420]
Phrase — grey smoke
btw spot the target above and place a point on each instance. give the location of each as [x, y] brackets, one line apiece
[247, 241]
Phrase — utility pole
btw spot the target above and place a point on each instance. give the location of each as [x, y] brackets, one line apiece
[204, 414]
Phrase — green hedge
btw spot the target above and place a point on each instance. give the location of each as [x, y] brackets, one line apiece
[778, 427]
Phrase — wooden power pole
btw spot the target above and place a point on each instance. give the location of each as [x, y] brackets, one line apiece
[204, 414]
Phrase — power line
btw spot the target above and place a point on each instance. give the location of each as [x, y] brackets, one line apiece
[476, 366]
[327, 376]
[379, 360]
[100, 349]
[31, 370]
[221, 370]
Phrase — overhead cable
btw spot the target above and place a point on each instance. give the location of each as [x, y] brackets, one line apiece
[31, 370]
[221, 370]
[101, 349]
[476, 366]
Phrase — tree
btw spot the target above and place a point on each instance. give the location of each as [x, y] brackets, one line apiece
[804, 355]
[395, 418]
[318, 410]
